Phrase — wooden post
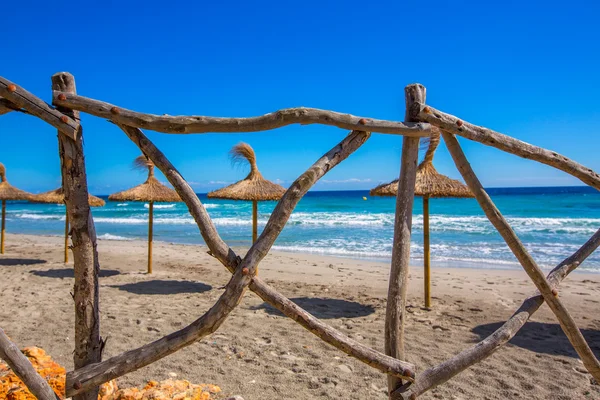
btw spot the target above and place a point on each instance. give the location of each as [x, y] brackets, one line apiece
[150, 231]
[3, 226]
[88, 344]
[426, 254]
[395, 313]
[66, 235]
[22, 367]
[254, 221]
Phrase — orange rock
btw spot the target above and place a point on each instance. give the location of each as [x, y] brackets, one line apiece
[12, 388]
[169, 390]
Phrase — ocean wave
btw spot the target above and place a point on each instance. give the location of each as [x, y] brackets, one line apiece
[108, 236]
[160, 205]
[41, 216]
[122, 204]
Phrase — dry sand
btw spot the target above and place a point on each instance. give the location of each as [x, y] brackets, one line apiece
[259, 354]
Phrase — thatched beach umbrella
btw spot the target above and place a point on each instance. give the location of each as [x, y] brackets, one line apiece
[150, 191]
[57, 196]
[252, 188]
[8, 192]
[429, 183]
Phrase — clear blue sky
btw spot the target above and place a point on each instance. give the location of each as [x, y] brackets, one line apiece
[528, 69]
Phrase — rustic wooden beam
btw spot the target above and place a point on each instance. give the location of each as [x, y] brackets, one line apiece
[351, 347]
[396, 302]
[22, 367]
[220, 250]
[32, 104]
[443, 372]
[551, 297]
[135, 359]
[6, 106]
[454, 125]
[203, 124]
[88, 344]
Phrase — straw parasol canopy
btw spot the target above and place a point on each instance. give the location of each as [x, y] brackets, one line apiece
[57, 196]
[150, 191]
[253, 187]
[8, 192]
[429, 183]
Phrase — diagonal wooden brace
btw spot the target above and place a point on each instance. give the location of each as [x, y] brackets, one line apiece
[550, 295]
[34, 105]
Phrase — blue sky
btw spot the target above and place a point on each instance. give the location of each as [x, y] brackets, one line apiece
[527, 69]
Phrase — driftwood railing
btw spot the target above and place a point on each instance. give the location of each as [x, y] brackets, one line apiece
[419, 120]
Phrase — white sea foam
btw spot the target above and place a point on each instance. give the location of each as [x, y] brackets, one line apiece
[160, 205]
[108, 236]
[122, 204]
[41, 216]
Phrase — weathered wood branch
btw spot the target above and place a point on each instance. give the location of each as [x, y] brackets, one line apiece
[219, 249]
[135, 359]
[551, 297]
[27, 101]
[454, 125]
[21, 366]
[230, 260]
[443, 372]
[88, 344]
[373, 358]
[6, 106]
[202, 124]
[396, 304]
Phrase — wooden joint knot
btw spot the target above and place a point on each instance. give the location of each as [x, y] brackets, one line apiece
[77, 385]
[459, 123]
[362, 121]
[245, 271]
[62, 97]
[408, 373]
[115, 110]
[64, 119]
[427, 110]
[555, 292]
[12, 88]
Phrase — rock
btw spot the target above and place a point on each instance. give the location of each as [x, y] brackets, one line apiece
[235, 398]
[345, 368]
[168, 390]
[12, 388]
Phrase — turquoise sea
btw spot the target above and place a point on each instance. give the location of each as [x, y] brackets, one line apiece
[552, 222]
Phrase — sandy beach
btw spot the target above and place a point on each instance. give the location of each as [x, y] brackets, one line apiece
[259, 354]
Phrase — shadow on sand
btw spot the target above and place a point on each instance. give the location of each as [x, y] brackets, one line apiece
[68, 273]
[164, 287]
[324, 308]
[21, 261]
[544, 338]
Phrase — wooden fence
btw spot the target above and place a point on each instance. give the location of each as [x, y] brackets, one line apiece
[404, 381]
